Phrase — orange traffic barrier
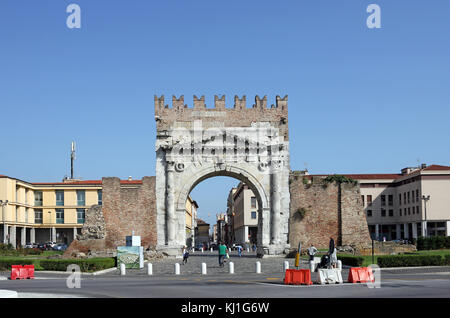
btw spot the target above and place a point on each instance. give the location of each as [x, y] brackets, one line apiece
[360, 275]
[22, 272]
[30, 271]
[15, 272]
[297, 277]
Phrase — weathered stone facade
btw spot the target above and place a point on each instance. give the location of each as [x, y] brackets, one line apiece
[126, 208]
[321, 210]
[249, 144]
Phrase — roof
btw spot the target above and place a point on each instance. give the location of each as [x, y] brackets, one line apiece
[200, 221]
[372, 176]
[436, 168]
[86, 182]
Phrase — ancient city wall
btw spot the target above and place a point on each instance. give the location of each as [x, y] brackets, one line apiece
[320, 210]
[127, 207]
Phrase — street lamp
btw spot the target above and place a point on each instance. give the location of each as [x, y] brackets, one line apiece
[3, 204]
[425, 199]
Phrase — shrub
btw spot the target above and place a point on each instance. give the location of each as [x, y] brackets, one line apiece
[410, 260]
[447, 259]
[4, 247]
[433, 243]
[6, 263]
[86, 265]
[447, 242]
[440, 242]
[355, 261]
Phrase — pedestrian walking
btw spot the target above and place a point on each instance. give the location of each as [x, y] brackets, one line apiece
[222, 253]
[333, 258]
[330, 250]
[185, 254]
[239, 249]
[311, 252]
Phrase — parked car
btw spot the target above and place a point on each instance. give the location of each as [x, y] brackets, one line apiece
[60, 247]
[50, 245]
[28, 245]
[42, 246]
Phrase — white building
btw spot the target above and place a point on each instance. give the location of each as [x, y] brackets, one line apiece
[414, 203]
[243, 215]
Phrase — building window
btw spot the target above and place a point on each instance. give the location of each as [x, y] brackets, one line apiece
[399, 199]
[17, 213]
[38, 198]
[390, 200]
[369, 200]
[417, 195]
[383, 200]
[59, 216]
[414, 210]
[81, 215]
[253, 215]
[417, 209]
[383, 212]
[369, 213]
[400, 212]
[100, 197]
[362, 199]
[404, 197]
[38, 216]
[253, 201]
[409, 198]
[409, 211]
[391, 212]
[81, 197]
[26, 215]
[59, 197]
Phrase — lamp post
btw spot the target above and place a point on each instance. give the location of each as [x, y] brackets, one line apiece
[3, 204]
[425, 199]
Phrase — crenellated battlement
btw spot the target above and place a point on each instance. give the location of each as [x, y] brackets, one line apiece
[219, 103]
[182, 115]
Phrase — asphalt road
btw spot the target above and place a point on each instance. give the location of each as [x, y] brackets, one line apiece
[218, 283]
[403, 285]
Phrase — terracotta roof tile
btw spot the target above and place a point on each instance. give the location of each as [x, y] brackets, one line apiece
[436, 168]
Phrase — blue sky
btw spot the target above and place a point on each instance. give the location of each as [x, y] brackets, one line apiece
[360, 100]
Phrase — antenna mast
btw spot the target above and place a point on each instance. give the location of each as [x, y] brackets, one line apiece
[72, 158]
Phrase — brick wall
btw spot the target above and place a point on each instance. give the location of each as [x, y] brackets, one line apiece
[128, 208]
[321, 204]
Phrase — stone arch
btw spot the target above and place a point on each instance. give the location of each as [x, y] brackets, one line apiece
[233, 172]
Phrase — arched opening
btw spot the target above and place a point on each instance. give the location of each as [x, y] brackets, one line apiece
[245, 231]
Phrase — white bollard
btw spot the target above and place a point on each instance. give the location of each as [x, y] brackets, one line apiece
[122, 269]
[248, 250]
[258, 267]
[149, 269]
[202, 249]
[203, 268]
[177, 269]
[211, 249]
[231, 268]
[286, 265]
[312, 266]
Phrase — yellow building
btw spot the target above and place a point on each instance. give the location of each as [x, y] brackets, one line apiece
[42, 212]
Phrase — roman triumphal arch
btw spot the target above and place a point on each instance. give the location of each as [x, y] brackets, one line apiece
[197, 143]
